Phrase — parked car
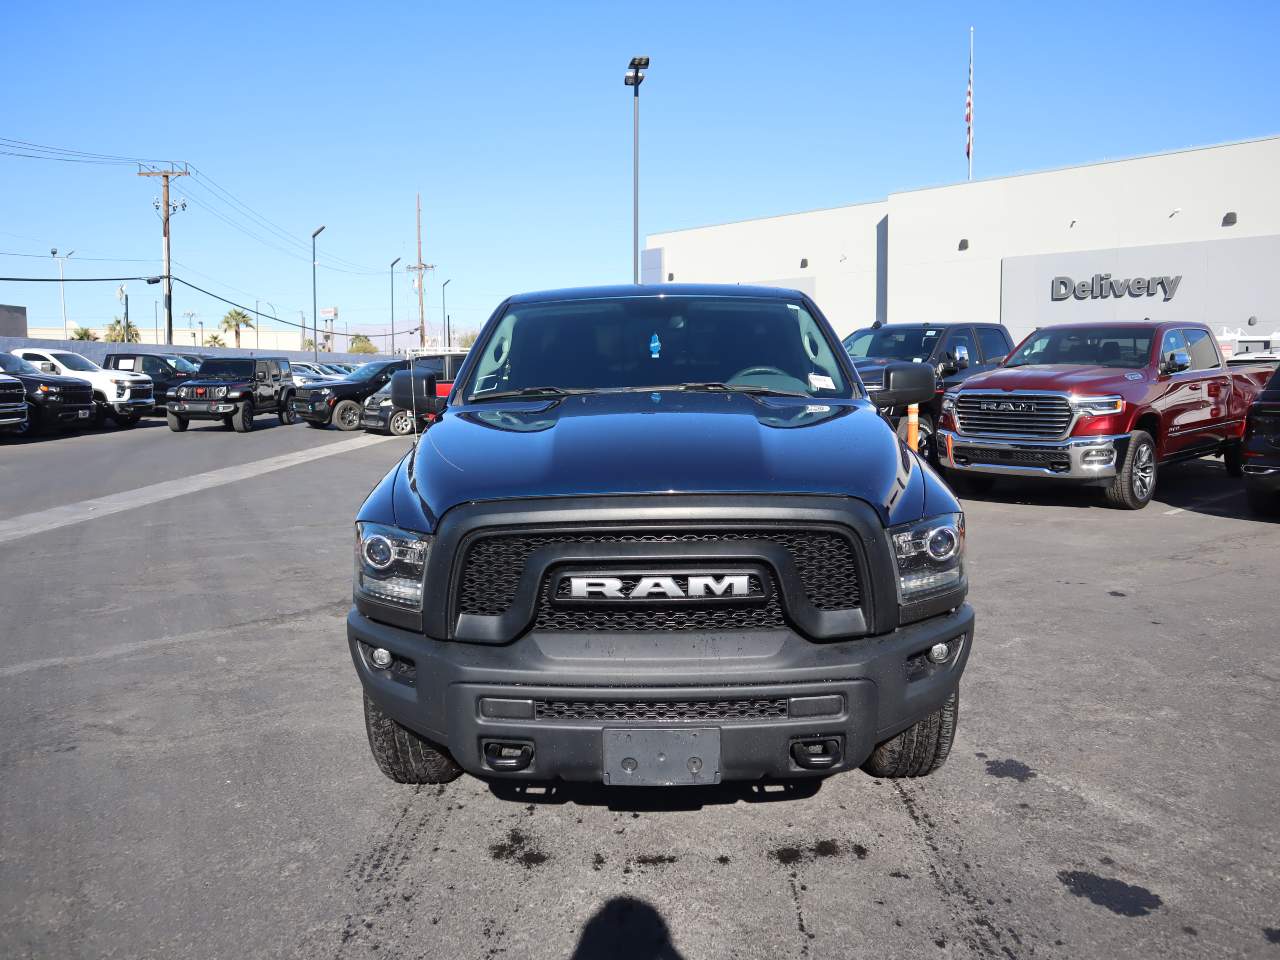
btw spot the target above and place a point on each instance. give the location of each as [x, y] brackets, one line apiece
[340, 401]
[233, 390]
[1262, 449]
[955, 352]
[13, 405]
[660, 536]
[51, 399]
[381, 415]
[121, 395]
[166, 370]
[1102, 404]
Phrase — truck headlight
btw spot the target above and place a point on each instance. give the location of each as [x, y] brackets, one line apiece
[50, 388]
[390, 564]
[1098, 406]
[929, 555]
[949, 403]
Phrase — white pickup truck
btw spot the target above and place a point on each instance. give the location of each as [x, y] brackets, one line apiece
[118, 394]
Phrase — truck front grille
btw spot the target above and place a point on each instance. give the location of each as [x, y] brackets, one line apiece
[717, 618]
[663, 711]
[11, 393]
[1013, 415]
[77, 395]
[825, 561]
[140, 391]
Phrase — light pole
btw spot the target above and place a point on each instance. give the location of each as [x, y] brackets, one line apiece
[633, 80]
[201, 322]
[315, 324]
[123, 295]
[257, 323]
[392, 348]
[444, 315]
[62, 287]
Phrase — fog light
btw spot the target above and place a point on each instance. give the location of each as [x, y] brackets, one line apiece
[938, 653]
[381, 658]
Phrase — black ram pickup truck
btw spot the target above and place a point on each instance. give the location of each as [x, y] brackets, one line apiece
[233, 390]
[50, 399]
[955, 351]
[340, 401]
[658, 536]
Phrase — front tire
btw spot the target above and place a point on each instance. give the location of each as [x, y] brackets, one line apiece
[924, 436]
[400, 423]
[287, 416]
[921, 748]
[242, 419]
[1135, 483]
[404, 756]
[346, 415]
[176, 423]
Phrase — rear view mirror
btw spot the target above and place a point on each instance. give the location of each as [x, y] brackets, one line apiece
[415, 390]
[905, 383]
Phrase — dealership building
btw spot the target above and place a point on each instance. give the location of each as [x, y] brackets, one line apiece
[1188, 235]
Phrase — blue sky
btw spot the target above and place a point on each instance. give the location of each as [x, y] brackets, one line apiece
[513, 121]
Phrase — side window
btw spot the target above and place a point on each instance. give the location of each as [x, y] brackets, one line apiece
[1204, 353]
[1173, 342]
[995, 344]
[274, 368]
[35, 357]
[961, 338]
[150, 365]
[285, 370]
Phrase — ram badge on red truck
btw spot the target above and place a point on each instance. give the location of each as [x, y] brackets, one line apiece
[1103, 404]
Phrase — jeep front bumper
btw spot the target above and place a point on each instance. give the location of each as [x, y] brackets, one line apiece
[1076, 458]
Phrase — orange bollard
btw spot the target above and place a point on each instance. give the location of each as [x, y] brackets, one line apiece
[913, 426]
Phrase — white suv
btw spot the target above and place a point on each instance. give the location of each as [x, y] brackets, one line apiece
[121, 395]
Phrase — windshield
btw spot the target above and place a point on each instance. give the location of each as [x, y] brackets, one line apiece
[227, 368]
[11, 364]
[73, 361]
[1126, 346]
[893, 343]
[367, 372]
[647, 343]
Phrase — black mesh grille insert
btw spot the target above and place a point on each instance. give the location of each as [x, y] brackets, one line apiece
[824, 559]
[1051, 459]
[662, 711]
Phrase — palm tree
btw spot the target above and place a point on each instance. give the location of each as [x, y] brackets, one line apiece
[468, 338]
[213, 340]
[83, 333]
[234, 321]
[361, 344]
[122, 331]
[308, 343]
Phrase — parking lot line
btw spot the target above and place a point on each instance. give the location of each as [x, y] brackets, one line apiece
[15, 528]
[1201, 503]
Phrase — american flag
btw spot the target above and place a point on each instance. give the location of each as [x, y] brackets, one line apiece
[968, 112]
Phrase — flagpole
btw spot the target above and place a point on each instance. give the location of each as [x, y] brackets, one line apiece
[971, 103]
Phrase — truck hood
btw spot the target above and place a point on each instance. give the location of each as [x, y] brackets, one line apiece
[662, 442]
[1067, 379]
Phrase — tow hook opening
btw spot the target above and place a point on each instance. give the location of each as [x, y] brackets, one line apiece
[817, 753]
[507, 756]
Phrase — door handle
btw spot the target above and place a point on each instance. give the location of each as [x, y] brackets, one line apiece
[1193, 386]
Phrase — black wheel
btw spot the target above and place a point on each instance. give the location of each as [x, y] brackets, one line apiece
[176, 423]
[401, 423]
[242, 419]
[316, 424]
[921, 748]
[287, 416]
[346, 415]
[1135, 482]
[404, 756]
[924, 435]
[1233, 458]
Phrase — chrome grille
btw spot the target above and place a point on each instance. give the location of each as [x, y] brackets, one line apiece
[1013, 415]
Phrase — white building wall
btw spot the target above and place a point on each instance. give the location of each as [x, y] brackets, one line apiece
[840, 246]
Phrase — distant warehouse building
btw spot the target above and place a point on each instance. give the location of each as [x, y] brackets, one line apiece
[1188, 235]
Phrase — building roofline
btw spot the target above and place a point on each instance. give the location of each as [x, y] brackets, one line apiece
[772, 216]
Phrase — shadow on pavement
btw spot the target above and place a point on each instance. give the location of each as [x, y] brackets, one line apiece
[626, 929]
[654, 799]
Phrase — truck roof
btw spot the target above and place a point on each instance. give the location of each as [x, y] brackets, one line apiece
[617, 291]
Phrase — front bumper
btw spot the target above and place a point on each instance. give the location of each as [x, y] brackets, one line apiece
[1076, 458]
[202, 409]
[857, 692]
[131, 407]
[317, 411]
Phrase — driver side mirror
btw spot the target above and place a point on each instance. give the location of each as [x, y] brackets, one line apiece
[415, 390]
[905, 383]
[1178, 361]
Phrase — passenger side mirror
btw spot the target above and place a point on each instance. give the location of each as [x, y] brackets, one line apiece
[1178, 361]
[905, 383]
[961, 354]
[415, 390]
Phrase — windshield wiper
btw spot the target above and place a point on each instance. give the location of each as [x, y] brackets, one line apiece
[525, 392]
[717, 385]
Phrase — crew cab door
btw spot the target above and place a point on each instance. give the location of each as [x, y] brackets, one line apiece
[1180, 401]
[1213, 388]
[263, 392]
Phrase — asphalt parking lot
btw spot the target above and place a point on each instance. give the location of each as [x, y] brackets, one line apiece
[184, 773]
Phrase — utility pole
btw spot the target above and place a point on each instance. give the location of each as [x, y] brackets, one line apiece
[165, 210]
[421, 269]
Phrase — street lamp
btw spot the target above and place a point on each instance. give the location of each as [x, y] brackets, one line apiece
[633, 80]
[201, 322]
[257, 322]
[392, 348]
[62, 287]
[315, 323]
[444, 315]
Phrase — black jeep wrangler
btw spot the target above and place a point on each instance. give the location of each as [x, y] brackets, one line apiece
[660, 535]
[233, 390]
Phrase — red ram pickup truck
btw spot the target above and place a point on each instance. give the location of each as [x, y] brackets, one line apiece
[1103, 404]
